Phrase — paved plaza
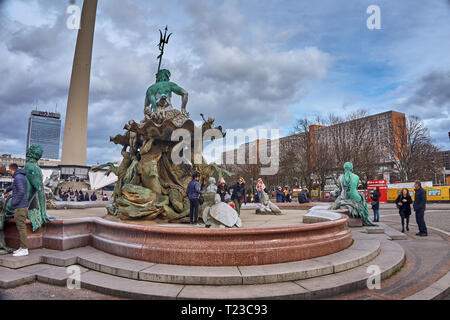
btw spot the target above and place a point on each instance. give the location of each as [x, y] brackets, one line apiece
[437, 217]
[427, 260]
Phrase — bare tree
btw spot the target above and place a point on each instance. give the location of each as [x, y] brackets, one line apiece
[289, 168]
[323, 164]
[416, 156]
[351, 139]
[305, 152]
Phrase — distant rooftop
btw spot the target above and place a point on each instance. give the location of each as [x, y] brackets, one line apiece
[46, 114]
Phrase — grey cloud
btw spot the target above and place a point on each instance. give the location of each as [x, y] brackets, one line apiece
[439, 129]
[430, 95]
[242, 82]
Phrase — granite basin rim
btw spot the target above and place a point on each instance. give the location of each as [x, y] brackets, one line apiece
[194, 246]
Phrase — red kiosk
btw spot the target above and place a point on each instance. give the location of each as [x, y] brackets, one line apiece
[381, 184]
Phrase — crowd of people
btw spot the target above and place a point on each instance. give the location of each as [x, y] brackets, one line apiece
[234, 196]
[285, 194]
[80, 196]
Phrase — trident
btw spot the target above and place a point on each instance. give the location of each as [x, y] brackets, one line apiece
[162, 42]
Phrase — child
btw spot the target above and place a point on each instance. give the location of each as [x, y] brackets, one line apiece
[228, 201]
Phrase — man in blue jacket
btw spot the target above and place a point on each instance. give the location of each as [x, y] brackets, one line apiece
[420, 200]
[19, 203]
[193, 192]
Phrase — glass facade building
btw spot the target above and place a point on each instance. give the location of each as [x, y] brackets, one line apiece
[44, 129]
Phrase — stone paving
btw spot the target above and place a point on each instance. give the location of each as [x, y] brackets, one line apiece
[300, 280]
[43, 291]
[248, 216]
[77, 213]
[437, 215]
[427, 258]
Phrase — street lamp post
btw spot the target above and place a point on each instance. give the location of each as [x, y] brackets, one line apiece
[253, 189]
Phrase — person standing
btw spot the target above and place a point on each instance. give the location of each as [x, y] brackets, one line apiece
[193, 192]
[403, 203]
[222, 189]
[279, 195]
[260, 186]
[257, 198]
[376, 204]
[19, 203]
[303, 196]
[289, 196]
[238, 194]
[420, 200]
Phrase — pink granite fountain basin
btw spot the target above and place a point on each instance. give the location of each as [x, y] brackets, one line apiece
[192, 246]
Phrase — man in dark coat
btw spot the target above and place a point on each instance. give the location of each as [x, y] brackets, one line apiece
[303, 196]
[238, 194]
[19, 203]
[376, 204]
[193, 192]
[256, 197]
[420, 200]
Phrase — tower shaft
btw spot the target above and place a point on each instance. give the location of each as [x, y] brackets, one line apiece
[75, 129]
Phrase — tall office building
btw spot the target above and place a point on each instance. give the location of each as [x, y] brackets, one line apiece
[44, 129]
[381, 128]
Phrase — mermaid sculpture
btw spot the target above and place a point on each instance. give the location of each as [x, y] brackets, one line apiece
[348, 196]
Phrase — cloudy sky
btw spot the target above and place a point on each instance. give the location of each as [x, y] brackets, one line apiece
[250, 64]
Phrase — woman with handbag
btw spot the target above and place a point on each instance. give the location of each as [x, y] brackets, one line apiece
[403, 203]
